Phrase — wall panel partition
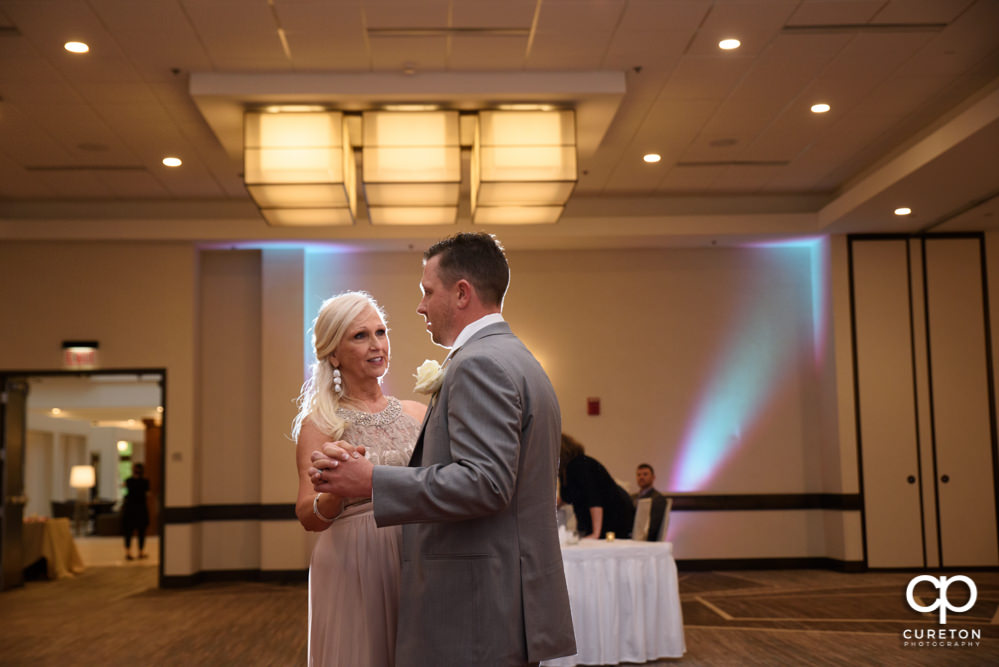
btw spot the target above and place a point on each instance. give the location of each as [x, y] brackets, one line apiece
[886, 407]
[960, 396]
[925, 425]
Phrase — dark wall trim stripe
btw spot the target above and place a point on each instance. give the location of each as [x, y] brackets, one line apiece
[784, 501]
[215, 576]
[693, 503]
[250, 512]
[817, 563]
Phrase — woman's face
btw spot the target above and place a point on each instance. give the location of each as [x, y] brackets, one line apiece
[363, 352]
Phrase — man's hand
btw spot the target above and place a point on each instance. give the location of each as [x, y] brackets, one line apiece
[341, 469]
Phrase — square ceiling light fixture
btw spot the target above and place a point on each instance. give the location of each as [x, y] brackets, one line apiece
[411, 167]
[523, 166]
[299, 167]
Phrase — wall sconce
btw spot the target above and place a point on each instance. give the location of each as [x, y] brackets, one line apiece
[299, 167]
[411, 166]
[523, 166]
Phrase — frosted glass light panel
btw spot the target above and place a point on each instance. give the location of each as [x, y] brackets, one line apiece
[523, 166]
[412, 159]
[300, 161]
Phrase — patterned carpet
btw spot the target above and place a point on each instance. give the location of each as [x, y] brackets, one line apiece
[116, 616]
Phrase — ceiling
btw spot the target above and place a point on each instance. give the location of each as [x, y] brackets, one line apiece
[100, 399]
[913, 87]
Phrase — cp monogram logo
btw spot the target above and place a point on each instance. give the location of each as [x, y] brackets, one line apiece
[941, 583]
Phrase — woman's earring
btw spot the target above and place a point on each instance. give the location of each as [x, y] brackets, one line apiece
[337, 384]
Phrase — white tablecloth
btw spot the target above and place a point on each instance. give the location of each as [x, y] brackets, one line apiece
[625, 602]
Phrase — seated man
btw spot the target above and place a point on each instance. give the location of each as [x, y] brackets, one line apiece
[646, 477]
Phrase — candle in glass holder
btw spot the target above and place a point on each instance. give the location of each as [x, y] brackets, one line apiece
[610, 536]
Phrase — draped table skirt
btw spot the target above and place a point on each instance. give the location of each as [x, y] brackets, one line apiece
[625, 602]
[52, 540]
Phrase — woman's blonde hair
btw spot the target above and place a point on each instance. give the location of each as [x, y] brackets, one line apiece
[317, 401]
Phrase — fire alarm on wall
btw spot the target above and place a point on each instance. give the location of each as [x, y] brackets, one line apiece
[593, 406]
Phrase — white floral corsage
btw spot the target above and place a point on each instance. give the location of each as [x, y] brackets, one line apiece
[429, 377]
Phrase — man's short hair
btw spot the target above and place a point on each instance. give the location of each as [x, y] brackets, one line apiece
[479, 259]
[646, 465]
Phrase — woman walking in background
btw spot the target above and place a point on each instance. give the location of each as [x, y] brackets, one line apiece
[135, 512]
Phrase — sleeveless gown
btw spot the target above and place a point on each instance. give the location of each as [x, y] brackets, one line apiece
[354, 571]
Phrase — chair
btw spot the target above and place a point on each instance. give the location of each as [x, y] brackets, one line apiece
[640, 527]
[661, 521]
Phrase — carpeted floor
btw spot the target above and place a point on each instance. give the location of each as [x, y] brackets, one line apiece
[116, 616]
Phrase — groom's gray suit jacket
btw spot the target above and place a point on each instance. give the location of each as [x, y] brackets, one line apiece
[482, 578]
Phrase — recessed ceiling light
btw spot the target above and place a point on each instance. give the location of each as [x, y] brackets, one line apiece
[903, 210]
[172, 161]
[822, 107]
[652, 158]
[729, 44]
[76, 47]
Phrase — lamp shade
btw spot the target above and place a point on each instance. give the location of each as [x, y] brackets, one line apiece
[412, 162]
[300, 161]
[82, 477]
[523, 166]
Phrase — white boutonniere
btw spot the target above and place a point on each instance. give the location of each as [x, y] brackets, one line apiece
[429, 377]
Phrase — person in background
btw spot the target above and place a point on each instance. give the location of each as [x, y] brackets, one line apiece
[600, 504]
[135, 510]
[645, 475]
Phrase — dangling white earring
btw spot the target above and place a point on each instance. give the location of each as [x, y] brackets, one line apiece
[337, 384]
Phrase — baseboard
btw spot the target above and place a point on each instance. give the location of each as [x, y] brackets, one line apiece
[704, 564]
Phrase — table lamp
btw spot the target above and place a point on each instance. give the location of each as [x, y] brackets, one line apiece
[81, 478]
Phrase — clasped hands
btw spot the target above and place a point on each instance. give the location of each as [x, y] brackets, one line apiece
[339, 468]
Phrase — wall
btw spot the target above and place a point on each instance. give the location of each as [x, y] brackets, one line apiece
[722, 367]
[137, 300]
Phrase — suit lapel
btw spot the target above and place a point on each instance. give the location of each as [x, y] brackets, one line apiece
[416, 460]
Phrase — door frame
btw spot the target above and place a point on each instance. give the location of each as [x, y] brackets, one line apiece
[162, 372]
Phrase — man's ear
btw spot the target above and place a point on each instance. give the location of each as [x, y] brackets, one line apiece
[464, 293]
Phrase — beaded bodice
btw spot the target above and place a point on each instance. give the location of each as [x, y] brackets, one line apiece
[388, 436]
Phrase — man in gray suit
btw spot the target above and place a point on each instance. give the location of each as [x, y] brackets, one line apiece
[482, 577]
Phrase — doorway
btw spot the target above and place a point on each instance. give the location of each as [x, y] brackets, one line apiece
[95, 422]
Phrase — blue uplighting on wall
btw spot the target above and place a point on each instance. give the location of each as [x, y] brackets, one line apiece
[749, 369]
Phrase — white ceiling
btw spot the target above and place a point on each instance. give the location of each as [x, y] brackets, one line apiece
[913, 84]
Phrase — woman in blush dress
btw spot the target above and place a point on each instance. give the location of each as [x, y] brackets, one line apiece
[354, 571]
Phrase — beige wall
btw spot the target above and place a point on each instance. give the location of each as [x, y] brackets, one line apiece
[661, 336]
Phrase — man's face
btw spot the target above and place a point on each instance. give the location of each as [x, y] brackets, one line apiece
[645, 478]
[437, 305]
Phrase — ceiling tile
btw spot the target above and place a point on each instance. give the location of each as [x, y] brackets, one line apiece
[579, 16]
[706, 77]
[921, 11]
[577, 51]
[644, 49]
[835, 12]
[394, 14]
[492, 14]
[486, 52]
[397, 53]
[660, 15]
[754, 24]
[333, 19]
[316, 51]
[237, 34]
